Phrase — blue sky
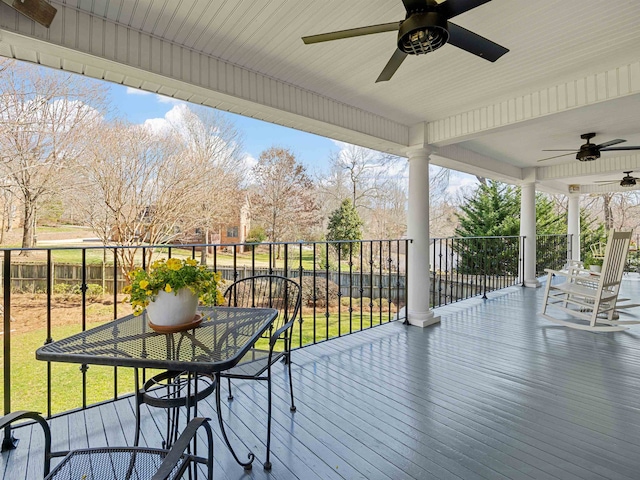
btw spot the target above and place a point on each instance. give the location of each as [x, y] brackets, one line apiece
[311, 150]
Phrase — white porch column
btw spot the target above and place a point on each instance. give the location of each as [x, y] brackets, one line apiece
[573, 225]
[528, 230]
[418, 277]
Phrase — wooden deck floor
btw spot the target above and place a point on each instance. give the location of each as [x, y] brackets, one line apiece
[493, 392]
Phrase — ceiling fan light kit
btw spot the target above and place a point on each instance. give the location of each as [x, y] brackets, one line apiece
[422, 33]
[426, 28]
[627, 180]
[590, 151]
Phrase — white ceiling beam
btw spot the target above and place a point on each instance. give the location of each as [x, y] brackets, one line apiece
[587, 90]
[463, 160]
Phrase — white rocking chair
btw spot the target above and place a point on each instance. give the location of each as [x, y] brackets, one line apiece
[591, 296]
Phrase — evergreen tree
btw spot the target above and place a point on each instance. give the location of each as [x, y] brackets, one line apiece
[494, 211]
[344, 224]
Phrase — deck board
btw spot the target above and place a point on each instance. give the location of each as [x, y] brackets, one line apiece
[493, 392]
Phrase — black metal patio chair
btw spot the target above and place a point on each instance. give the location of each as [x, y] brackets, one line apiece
[122, 463]
[266, 291]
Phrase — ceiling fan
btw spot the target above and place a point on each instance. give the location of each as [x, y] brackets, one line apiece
[590, 151]
[627, 180]
[425, 28]
[37, 10]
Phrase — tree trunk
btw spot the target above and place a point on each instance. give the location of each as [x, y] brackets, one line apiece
[27, 229]
[205, 250]
[608, 213]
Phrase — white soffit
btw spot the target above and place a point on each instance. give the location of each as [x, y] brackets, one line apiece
[573, 67]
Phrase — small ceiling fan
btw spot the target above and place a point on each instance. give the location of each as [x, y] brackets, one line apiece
[425, 28]
[37, 10]
[590, 151]
[627, 180]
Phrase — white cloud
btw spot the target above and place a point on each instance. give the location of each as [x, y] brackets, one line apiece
[250, 161]
[165, 99]
[171, 118]
[459, 182]
[136, 91]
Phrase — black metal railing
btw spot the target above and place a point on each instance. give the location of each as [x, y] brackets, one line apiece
[346, 287]
[464, 267]
[55, 292]
[552, 251]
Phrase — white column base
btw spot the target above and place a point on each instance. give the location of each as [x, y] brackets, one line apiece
[419, 319]
[532, 283]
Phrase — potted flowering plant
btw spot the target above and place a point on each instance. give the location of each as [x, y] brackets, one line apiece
[171, 290]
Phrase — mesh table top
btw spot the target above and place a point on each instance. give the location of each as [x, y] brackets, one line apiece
[217, 344]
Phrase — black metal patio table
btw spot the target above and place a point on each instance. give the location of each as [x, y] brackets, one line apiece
[225, 335]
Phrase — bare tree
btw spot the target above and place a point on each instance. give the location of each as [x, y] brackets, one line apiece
[142, 187]
[358, 171]
[388, 217]
[44, 125]
[283, 199]
[213, 146]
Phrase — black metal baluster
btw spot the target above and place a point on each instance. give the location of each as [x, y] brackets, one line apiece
[314, 297]
[115, 315]
[361, 280]
[339, 248]
[326, 295]
[49, 338]
[300, 276]
[8, 442]
[350, 287]
[83, 290]
[371, 284]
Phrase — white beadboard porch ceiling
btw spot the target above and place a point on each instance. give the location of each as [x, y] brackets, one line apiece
[573, 67]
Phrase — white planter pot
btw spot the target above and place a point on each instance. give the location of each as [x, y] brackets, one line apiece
[595, 268]
[170, 309]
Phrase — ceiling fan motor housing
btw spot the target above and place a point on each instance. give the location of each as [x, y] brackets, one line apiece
[628, 180]
[588, 152]
[422, 33]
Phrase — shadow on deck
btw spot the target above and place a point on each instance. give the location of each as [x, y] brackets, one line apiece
[492, 392]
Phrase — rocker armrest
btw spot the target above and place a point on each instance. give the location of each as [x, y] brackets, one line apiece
[178, 449]
[575, 275]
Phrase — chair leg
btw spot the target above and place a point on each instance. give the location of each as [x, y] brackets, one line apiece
[267, 463]
[230, 397]
[136, 438]
[546, 293]
[293, 405]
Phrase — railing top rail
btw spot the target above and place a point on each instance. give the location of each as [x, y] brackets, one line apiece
[483, 237]
[191, 245]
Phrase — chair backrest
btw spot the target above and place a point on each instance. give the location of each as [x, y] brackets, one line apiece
[598, 249]
[615, 257]
[267, 291]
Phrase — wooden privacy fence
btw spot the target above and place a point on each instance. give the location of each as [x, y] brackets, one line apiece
[32, 278]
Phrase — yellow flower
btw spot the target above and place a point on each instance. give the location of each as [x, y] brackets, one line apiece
[149, 292]
[167, 288]
[144, 284]
[174, 264]
[191, 262]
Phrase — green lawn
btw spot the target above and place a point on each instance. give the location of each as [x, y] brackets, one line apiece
[29, 376]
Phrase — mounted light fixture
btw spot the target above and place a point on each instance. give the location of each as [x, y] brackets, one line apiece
[423, 33]
[574, 188]
[37, 10]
